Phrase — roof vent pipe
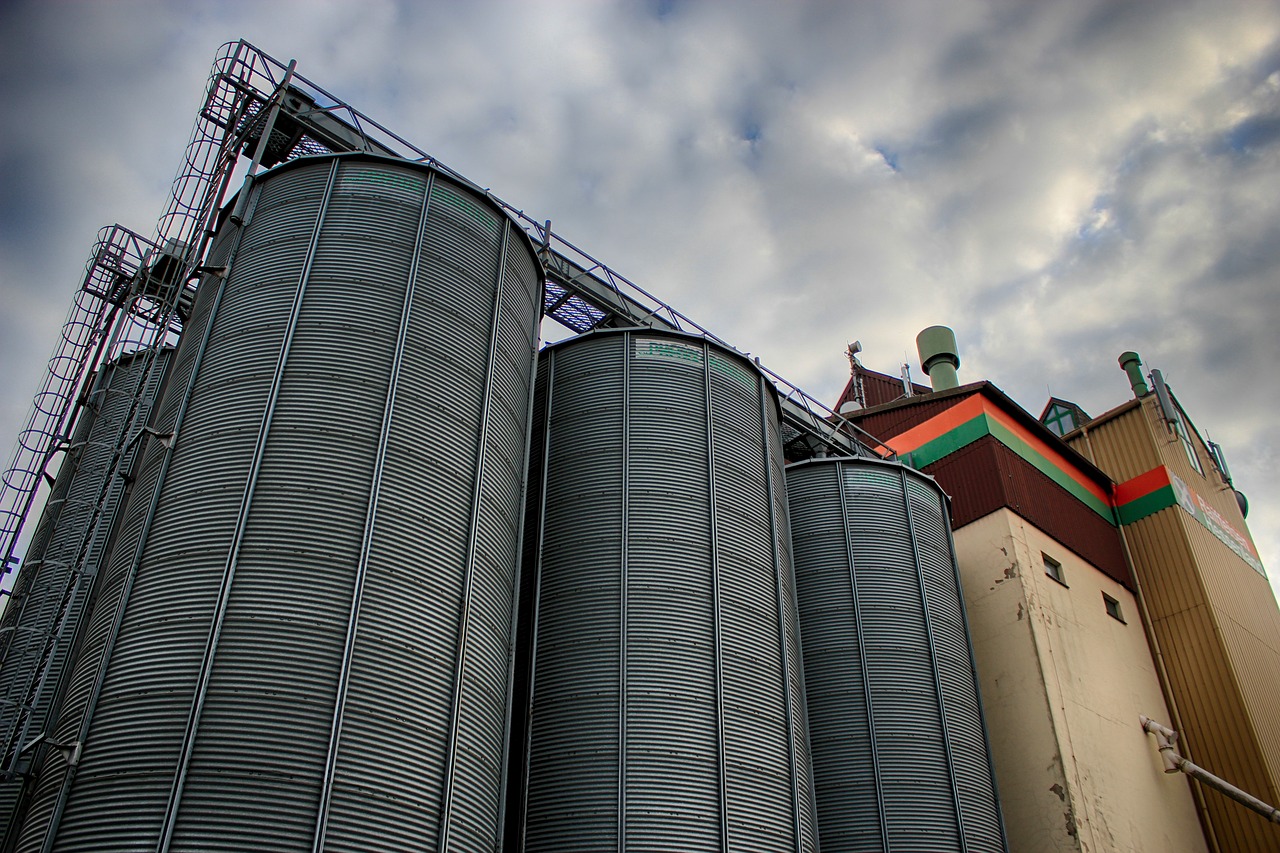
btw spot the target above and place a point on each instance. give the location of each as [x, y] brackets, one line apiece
[1132, 365]
[939, 357]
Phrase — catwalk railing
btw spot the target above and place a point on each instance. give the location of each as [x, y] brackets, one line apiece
[252, 97]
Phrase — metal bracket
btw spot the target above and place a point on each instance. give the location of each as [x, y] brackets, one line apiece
[216, 272]
[165, 438]
[69, 751]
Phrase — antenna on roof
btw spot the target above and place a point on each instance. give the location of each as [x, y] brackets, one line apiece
[906, 379]
[859, 398]
[1219, 459]
[1167, 408]
[852, 351]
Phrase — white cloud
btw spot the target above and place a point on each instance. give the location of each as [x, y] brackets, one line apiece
[1058, 181]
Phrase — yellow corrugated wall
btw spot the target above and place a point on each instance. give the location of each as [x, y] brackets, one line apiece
[1215, 620]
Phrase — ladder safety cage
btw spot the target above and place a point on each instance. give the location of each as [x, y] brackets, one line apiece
[251, 97]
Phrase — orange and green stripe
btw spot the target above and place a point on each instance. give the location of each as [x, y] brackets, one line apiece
[1157, 489]
[1144, 495]
[976, 417]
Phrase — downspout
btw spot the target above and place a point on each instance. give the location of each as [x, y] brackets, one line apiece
[1175, 763]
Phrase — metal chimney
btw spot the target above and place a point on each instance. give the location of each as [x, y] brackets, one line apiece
[1132, 365]
[939, 356]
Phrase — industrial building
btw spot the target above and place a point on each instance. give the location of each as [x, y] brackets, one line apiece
[1212, 617]
[335, 557]
[1093, 591]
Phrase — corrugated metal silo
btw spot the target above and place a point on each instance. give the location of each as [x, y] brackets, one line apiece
[42, 625]
[667, 706]
[899, 745]
[310, 641]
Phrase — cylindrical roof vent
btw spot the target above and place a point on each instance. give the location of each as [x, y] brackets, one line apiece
[900, 757]
[314, 635]
[939, 356]
[1132, 365]
[667, 707]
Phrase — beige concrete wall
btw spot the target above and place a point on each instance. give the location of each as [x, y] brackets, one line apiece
[1063, 684]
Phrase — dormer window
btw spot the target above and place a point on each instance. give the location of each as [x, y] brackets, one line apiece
[1061, 421]
[1062, 416]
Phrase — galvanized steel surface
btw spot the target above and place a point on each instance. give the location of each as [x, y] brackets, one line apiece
[899, 747]
[53, 781]
[667, 709]
[315, 651]
[43, 623]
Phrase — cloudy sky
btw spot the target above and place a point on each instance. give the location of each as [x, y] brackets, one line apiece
[1059, 182]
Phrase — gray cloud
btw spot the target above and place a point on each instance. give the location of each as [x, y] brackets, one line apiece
[1058, 181]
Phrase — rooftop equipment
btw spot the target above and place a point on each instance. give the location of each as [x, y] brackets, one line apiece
[1132, 365]
[939, 357]
[1167, 407]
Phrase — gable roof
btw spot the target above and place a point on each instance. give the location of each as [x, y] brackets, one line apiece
[869, 388]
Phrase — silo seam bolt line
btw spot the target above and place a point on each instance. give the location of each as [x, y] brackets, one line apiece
[228, 577]
[508, 747]
[943, 727]
[464, 616]
[624, 588]
[357, 595]
[537, 593]
[718, 626]
[762, 387]
[847, 532]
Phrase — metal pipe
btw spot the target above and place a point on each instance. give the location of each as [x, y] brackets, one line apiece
[1166, 738]
[1157, 654]
[939, 357]
[624, 589]
[1131, 364]
[717, 604]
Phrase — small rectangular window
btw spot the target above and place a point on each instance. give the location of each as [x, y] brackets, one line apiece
[1053, 569]
[1113, 607]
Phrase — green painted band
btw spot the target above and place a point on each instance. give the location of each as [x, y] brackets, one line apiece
[972, 430]
[1149, 504]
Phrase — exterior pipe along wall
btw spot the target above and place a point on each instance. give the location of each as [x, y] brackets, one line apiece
[1166, 742]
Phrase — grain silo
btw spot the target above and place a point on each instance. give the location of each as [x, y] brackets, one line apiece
[667, 704]
[43, 623]
[310, 605]
[899, 747]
